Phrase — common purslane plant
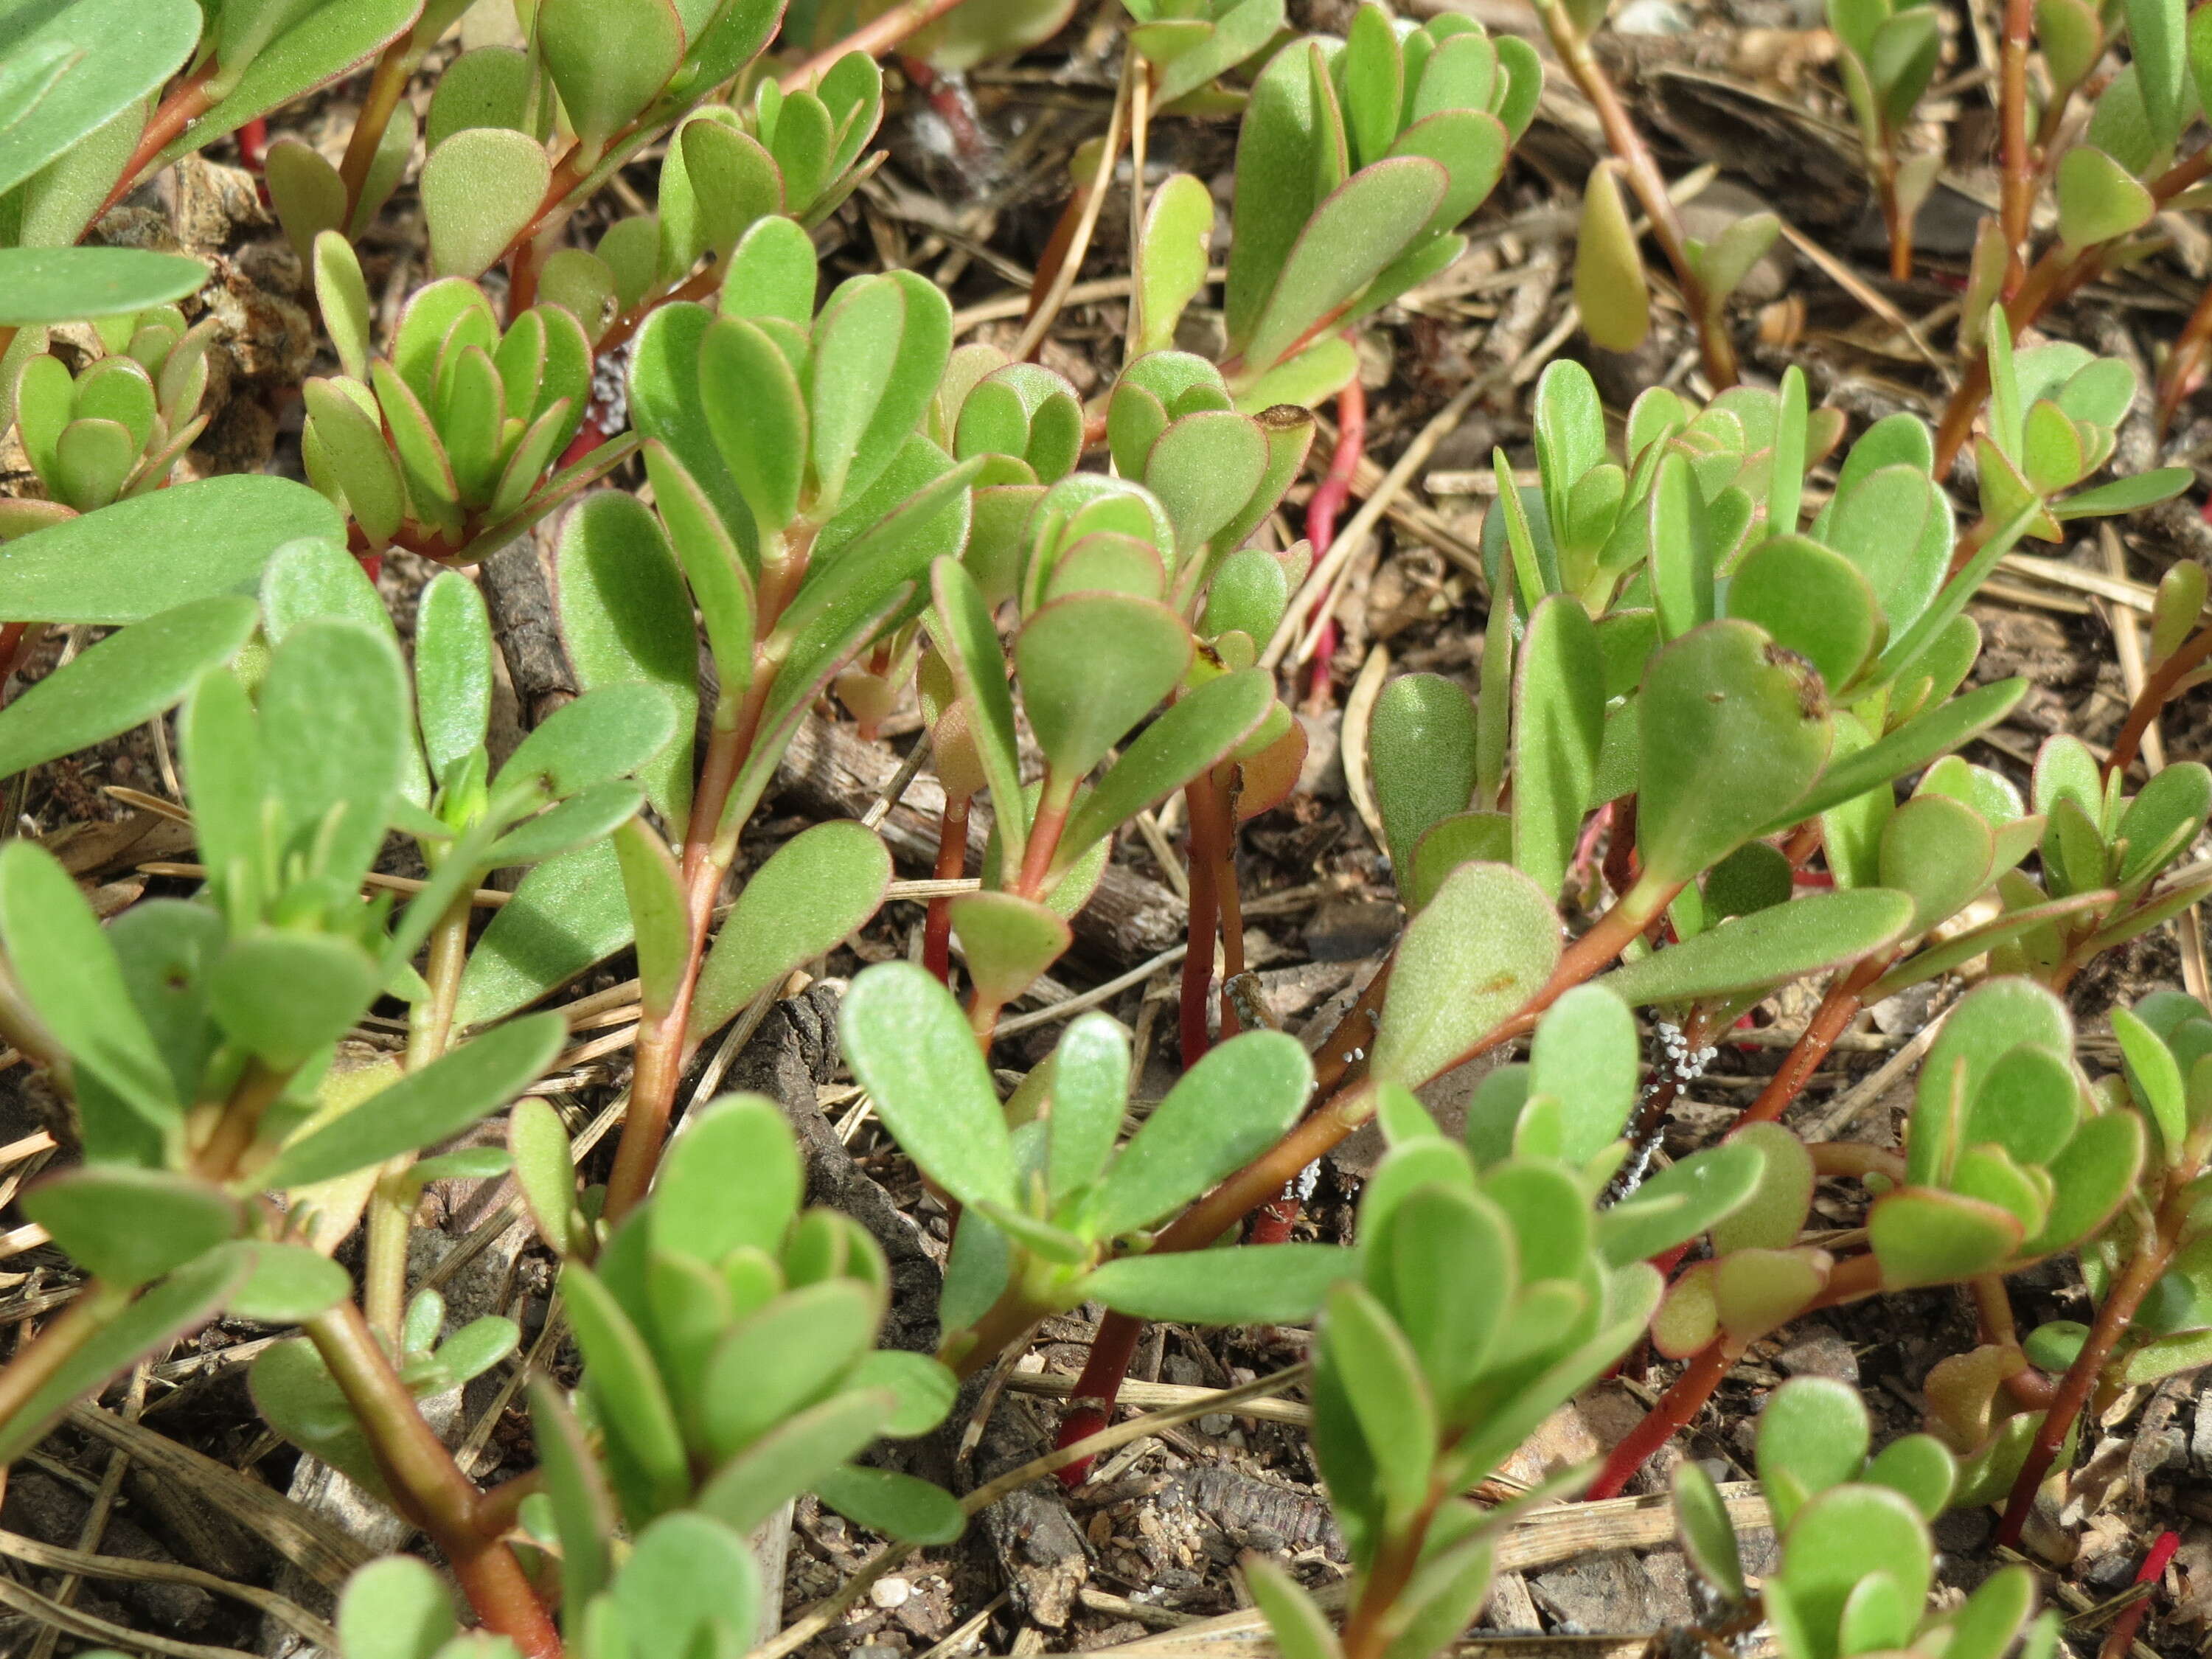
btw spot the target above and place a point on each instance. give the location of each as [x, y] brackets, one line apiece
[1712, 750]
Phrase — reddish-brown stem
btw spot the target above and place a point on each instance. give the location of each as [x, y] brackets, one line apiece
[1838, 1010]
[497, 1509]
[187, 101]
[384, 89]
[1207, 855]
[2018, 200]
[1369, 1630]
[664, 1042]
[1650, 184]
[2030, 1389]
[873, 38]
[2181, 364]
[425, 1483]
[1895, 218]
[2052, 276]
[1044, 840]
[2122, 1636]
[952, 865]
[2118, 1311]
[1327, 500]
[2157, 686]
[1091, 1407]
[1674, 1410]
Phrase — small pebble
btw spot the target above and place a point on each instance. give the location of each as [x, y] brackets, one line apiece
[889, 1593]
[1216, 1424]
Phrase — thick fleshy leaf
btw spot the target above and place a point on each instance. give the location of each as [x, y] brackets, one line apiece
[1250, 1284]
[425, 1106]
[732, 1179]
[1925, 1237]
[60, 284]
[481, 189]
[123, 681]
[1483, 946]
[148, 554]
[569, 913]
[1813, 1435]
[1733, 732]
[815, 890]
[1226, 1110]
[792, 1457]
[1420, 756]
[1611, 289]
[1364, 225]
[1558, 707]
[1768, 947]
[625, 615]
[1812, 600]
[911, 1048]
[1006, 941]
[126, 1226]
[1194, 734]
[1091, 667]
[1911, 747]
[2097, 198]
[181, 1303]
[608, 60]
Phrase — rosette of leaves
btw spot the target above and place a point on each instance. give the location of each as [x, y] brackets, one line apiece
[195, 1037]
[728, 1339]
[1490, 1290]
[1356, 161]
[1172, 425]
[2054, 416]
[1857, 1561]
[444, 446]
[2103, 854]
[2007, 1158]
[120, 425]
[2166, 1041]
[798, 154]
[1188, 45]
[1099, 649]
[1888, 57]
[1055, 1209]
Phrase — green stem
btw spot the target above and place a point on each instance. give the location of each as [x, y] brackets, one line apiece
[38, 1362]
[427, 1484]
[391, 1216]
[663, 1042]
[385, 88]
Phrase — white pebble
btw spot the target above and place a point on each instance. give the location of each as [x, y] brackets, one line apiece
[889, 1593]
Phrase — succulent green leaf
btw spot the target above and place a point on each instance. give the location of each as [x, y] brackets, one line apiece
[910, 1047]
[1484, 945]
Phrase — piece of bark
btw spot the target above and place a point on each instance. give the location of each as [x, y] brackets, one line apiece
[828, 768]
[1031, 1530]
[518, 595]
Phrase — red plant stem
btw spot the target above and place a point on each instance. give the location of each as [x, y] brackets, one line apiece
[874, 38]
[2151, 1259]
[664, 1042]
[1044, 840]
[428, 1487]
[2175, 378]
[1091, 1407]
[253, 143]
[1838, 1010]
[186, 102]
[1351, 1105]
[1674, 1410]
[2122, 1636]
[2018, 200]
[1650, 185]
[952, 865]
[1327, 500]
[1209, 859]
[2052, 277]
[385, 89]
[2157, 686]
